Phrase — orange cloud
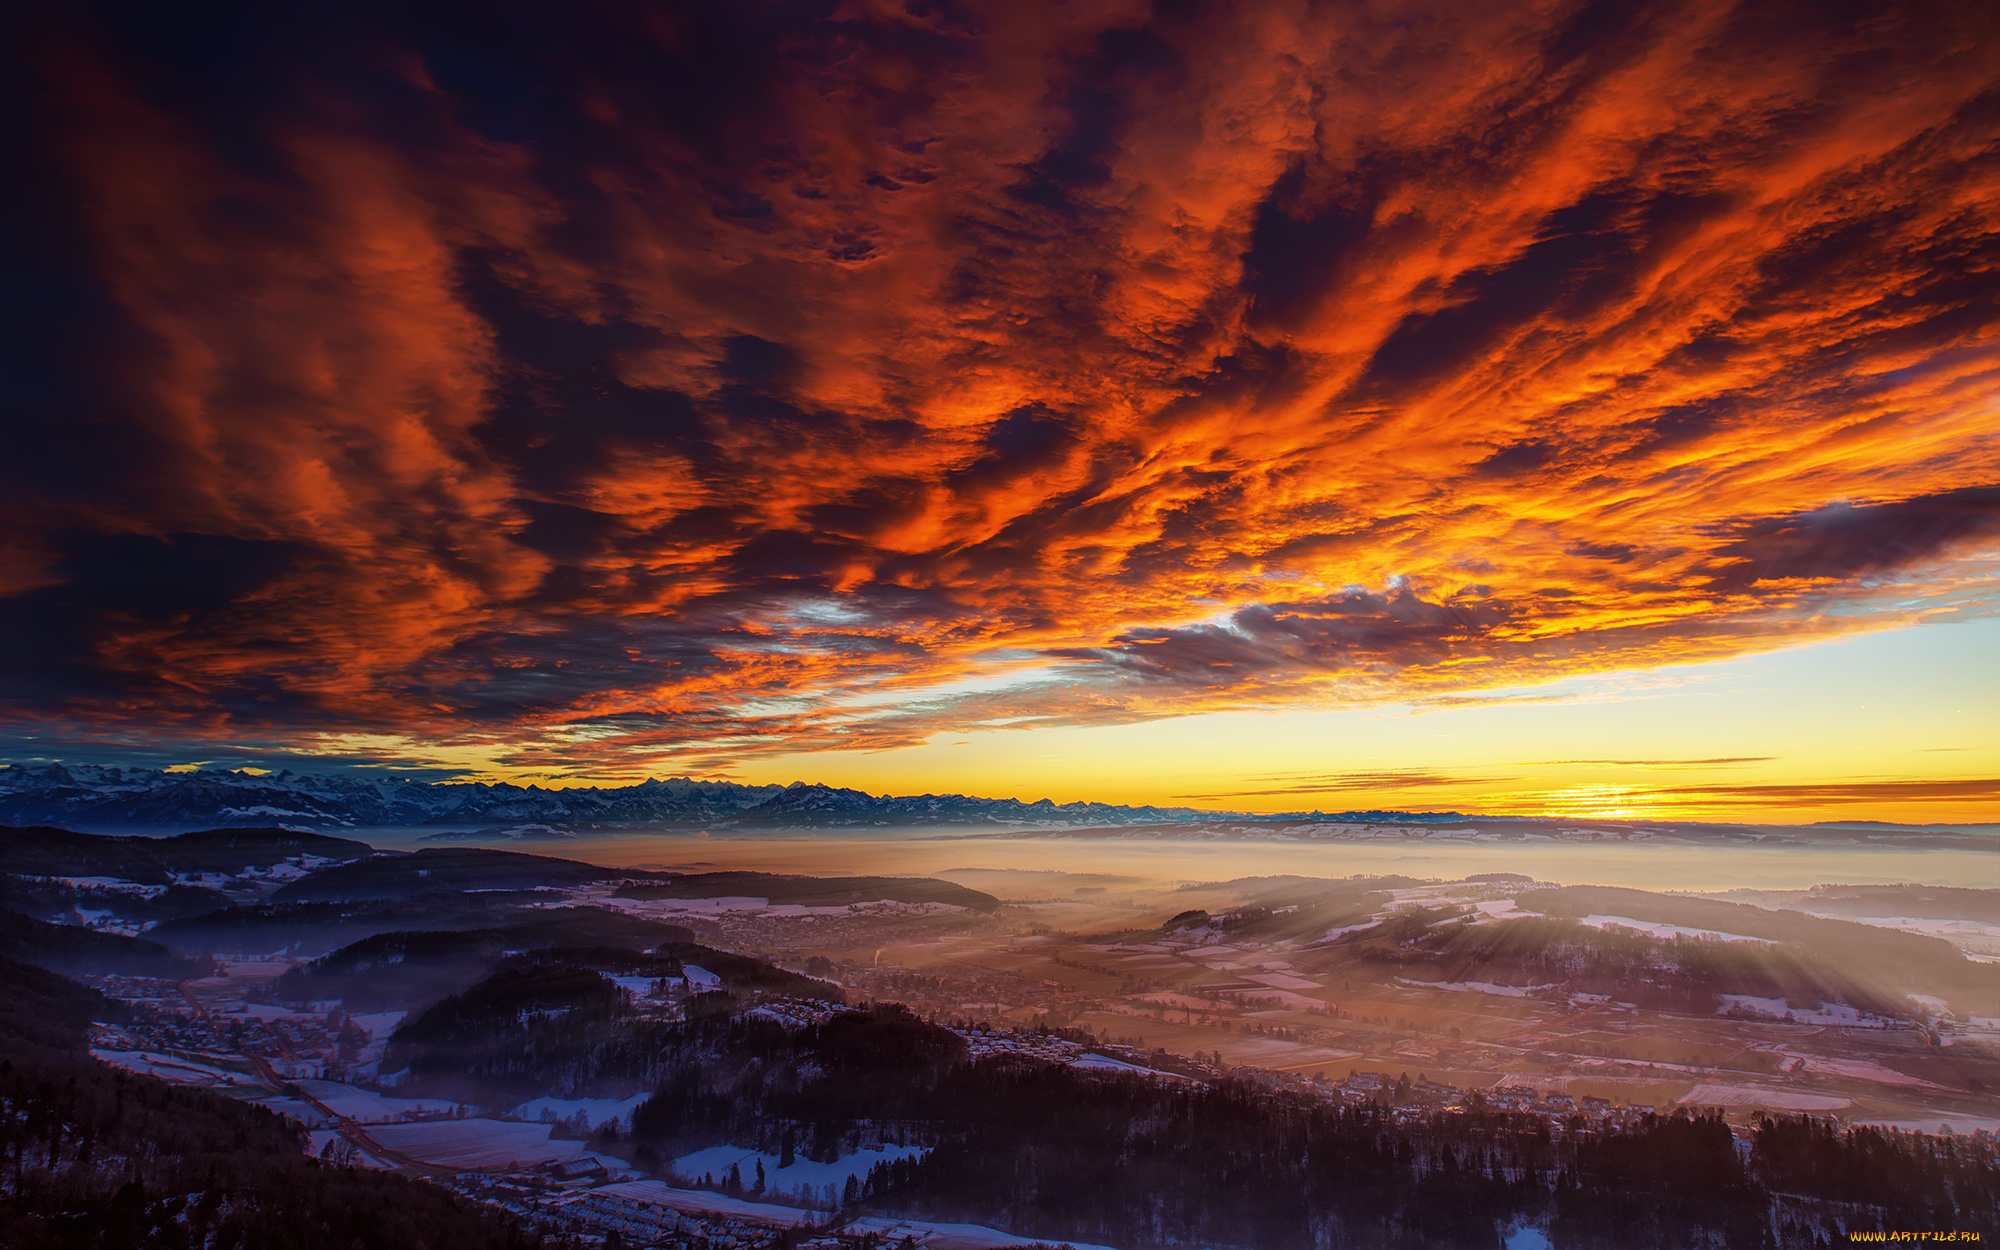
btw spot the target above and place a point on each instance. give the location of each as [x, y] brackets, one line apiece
[688, 383]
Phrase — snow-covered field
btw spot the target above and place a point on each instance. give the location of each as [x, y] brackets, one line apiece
[111, 885]
[932, 1235]
[1476, 987]
[368, 1107]
[1838, 1015]
[598, 1109]
[1335, 934]
[476, 1143]
[1864, 1070]
[168, 1068]
[1666, 932]
[803, 1175]
[379, 1024]
[637, 987]
[296, 1109]
[271, 1011]
[1933, 927]
[1105, 1063]
[1711, 1095]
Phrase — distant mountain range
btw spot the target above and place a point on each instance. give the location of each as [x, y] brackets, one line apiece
[89, 796]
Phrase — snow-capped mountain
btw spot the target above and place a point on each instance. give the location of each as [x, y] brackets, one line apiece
[821, 806]
[96, 797]
[102, 797]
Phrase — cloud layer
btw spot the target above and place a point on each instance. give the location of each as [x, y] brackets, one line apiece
[644, 383]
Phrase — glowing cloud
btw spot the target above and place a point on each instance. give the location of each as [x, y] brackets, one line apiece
[655, 382]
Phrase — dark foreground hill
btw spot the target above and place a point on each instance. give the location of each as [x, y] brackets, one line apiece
[72, 949]
[102, 1158]
[49, 852]
[436, 870]
[408, 968]
[444, 869]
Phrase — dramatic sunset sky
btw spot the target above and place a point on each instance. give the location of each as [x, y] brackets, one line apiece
[1555, 406]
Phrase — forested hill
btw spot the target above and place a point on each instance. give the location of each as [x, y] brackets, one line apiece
[44, 851]
[1055, 1153]
[102, 1158]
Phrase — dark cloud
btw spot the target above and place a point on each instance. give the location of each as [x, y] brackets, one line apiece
[1845, 541]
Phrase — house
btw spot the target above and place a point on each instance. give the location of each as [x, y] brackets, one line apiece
[583, 1168]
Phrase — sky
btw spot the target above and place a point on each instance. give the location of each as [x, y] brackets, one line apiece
[1558, 407]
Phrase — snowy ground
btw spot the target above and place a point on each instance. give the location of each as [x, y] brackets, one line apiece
[1838, 1015]
[1476, 987]
[1105, 1063]
[379, 1024]
[933, 1236]
[1963, 930]
[368, 1107]
[1711, 1095]
[1667, 932]
[814, 1179]
[1864, 1070]
[296, 1109]
[271, 1011]
[476, 1143]
[598, 1109]
[179, 1071]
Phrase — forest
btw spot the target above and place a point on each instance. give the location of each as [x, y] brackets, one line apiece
[1057, 1153]
[93, 1156]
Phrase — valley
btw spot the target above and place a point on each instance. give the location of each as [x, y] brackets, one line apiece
[597, 1049]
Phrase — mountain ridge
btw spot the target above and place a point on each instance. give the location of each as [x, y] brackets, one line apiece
[106, 797]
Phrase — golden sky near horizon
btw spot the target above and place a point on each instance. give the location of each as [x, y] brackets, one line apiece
[1248, 405]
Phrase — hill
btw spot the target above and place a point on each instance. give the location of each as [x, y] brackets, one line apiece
[44, 851]
[122, 1160]
[1888, 964]
[814, 891]
[72, 949]
[444, 869]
